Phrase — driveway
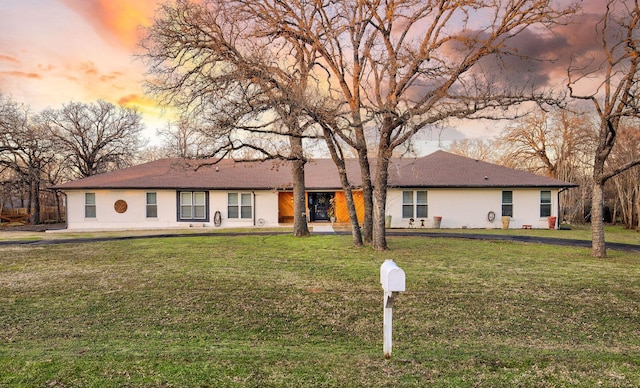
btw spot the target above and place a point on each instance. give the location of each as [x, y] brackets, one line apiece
[391, 232]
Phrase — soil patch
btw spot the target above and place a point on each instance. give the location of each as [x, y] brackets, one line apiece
[32, 228]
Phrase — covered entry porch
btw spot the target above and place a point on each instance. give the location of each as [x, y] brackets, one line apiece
[320, 206]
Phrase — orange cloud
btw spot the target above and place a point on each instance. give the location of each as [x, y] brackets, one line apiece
[146, 105]
[21, 74]
[131, 99]
[116, 19]
[89, 68]
[139, 101]
[107, 78]
[48, 67]
[8, 58]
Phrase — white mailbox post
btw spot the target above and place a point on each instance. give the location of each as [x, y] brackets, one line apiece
[393, 281]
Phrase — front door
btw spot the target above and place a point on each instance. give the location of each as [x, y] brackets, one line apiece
[319, 205]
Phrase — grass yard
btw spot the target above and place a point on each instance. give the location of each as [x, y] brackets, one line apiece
[261, 311]
[613, 233]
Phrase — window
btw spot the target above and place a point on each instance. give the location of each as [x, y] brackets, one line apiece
[193, 205]
[152, 205]
[407, 204]
[90, 205]
[545, 203]
[507, 203]
[239, 205]
[421, 204]
[414, 204]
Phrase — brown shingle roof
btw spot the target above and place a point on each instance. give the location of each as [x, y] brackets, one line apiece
[185, 174]
[440, 169]
[443, 169]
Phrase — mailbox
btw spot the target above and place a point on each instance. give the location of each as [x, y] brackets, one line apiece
[393, 282]
[392, 277]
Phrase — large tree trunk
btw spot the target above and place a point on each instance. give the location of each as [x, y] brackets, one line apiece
[356, 233]
[300, 226]
[365, 174]
[367, 196]
[35, 217]
[380, 201]
[637, 209]
[606, 142]
[58, 207]
[379, 231]
[598, 247]
[336, 155]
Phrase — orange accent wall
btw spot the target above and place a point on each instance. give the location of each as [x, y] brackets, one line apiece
[340, 205]
[285, 207]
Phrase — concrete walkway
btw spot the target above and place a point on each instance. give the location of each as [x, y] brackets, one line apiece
[322, 228]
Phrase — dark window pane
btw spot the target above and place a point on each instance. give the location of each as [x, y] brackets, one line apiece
[545, 210]
[199, 212]
[232, 199]
[507, 210]
[421, 197]
[90, 211]
[545, 197]
[152, 211]
[90, 198]
[421, 211]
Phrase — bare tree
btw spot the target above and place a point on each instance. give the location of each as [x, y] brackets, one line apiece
[614, 98]
[557, 143]
[480, 149]
[385, 68]
[246, 91]
[150, 153]
[27, 149]
[397, 67]
[627, 185]
[185, 139]
[95, 137]
[552, 143]
[55, 173]
[8, 112]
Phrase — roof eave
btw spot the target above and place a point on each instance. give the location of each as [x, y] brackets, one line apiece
[529, 186]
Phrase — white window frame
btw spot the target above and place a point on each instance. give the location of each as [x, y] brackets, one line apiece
[239, 206]
[151, 208]
[90, 208]
[415, 207]
[508, 204]
[544, 204]
[197, 204]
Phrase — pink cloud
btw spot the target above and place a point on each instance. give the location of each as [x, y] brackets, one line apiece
[89, 68]
[111, 76]
[8, 58]
[21, 74]
[48, 67]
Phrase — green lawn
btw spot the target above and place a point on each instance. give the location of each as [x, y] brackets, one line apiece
[613, 233]
[283, 311]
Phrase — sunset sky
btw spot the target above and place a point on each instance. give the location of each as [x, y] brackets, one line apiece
[57, 51]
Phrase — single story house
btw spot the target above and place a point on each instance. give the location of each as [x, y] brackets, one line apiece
[438, 190]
